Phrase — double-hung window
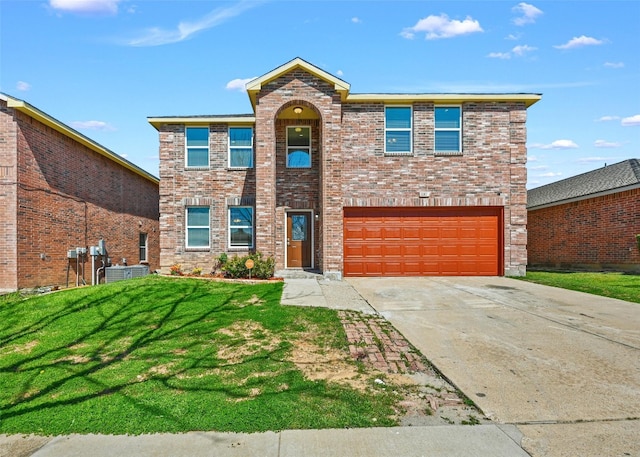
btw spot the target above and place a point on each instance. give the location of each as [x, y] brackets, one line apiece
[397, 129]
[298, 147]
[143, 247]
[448, 130]
[241, 226]
[198, 227]
[240, 147]
[197, 146]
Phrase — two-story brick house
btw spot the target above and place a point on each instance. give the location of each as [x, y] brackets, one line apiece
[349, 184]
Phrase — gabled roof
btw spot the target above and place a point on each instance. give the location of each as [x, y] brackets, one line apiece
[603, 181]
[35, 113]
[254, 86]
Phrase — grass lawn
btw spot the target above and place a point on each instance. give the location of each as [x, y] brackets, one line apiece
[159, 354]
[614, 285]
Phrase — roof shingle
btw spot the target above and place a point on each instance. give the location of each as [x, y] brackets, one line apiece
[608, 178]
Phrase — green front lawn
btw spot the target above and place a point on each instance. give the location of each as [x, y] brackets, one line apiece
[613, 285]
[160, 354]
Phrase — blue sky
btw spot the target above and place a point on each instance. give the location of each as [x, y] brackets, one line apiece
[104, 66]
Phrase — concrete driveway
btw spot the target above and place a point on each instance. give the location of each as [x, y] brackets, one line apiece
[563, 366]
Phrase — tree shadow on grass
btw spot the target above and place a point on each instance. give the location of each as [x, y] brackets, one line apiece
[146, 350]
[95, 333]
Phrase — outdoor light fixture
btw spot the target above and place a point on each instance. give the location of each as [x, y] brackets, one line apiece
[297, 110]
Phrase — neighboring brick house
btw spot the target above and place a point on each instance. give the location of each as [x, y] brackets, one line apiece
[60, 190]
[587, 222]
[348, 184]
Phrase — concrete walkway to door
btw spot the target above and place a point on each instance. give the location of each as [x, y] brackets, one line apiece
[563, 366]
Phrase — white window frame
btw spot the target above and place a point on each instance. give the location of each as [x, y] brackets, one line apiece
[308, 127]
[144, 246]
[186, 147]
[441, 129]
[187, 227]
[403, 129]
[230, 147]
[230, 226]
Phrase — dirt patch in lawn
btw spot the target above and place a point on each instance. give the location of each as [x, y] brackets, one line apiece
[327, 364]
[246, 338]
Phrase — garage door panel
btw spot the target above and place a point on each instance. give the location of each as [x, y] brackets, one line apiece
[422, 241]
[392, 233]
[371, 232]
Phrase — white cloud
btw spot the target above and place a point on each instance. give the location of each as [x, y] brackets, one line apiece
[631, 120]
[591, 159]
[606, 144]
[92, 125]
[86, 6]
[156, 36]
[23, 86]
[532, 158]
[512, 37]
[499, 55]
[522, 50]
[538, 167]
[519, 51]
[436, 27]
[528, 13]
[239, 84]
[608, 118]
[339, 73]
[550, 174]
[577, 42]
[356, 20]
[557, 144]
[614, 64]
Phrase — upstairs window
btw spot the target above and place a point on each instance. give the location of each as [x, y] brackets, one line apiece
[197, 139]
[299, 147]
[240, 147]
[397, 129]
[198, 227]
[241, 226]
[448, 131]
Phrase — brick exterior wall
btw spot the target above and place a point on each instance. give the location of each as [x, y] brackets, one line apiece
[349, 168]
[68, 196]
[594, 234]
[8, 201]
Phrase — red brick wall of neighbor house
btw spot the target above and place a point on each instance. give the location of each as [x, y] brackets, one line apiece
[593, 234]
[69, 196]
[352, 171]
[8, 200]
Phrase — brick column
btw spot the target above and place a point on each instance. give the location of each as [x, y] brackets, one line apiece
[516, 261]
[331, 217]
[265, 142]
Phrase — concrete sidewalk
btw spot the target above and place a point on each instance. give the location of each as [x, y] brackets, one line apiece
[450, 441]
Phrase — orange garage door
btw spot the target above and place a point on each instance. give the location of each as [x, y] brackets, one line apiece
[461, 241]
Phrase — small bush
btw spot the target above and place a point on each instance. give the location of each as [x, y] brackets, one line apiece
[176, 269]
[220, 262]
[197, 271]
[262, 268]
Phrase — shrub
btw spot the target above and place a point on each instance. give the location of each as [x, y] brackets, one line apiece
[176, 269]
[262, 268]
[197, 271]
